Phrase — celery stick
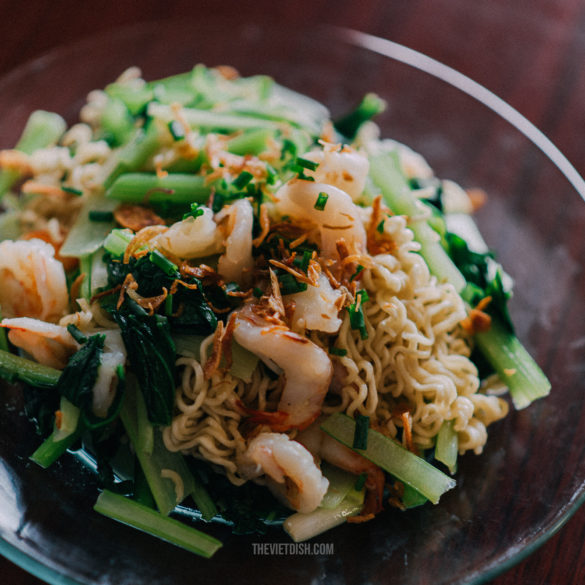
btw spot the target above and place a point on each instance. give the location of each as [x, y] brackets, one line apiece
[133, 155]
[117, 241]
[211, 120]
[340, 484]
[155, 464]
[86, 236]
[61, 438]
[250, 142]
[411, 498]
[203, 500]
[42, 129]
[117, 123]
[13, 368]
[392, 457]
[51, 448]
[514, 365]
[177, 188]
[387, 175]
[302, 527]
[147, 520]
[447, 445]
[142, 493]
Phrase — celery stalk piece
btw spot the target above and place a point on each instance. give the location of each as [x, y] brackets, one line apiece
[42, 129]
[177, 188]
[447, 446]
[340, 484]
[52, 448]
[250, 142]
[392, 457]
[302, 527]
[387, 175]
[514, 365]
[117, 241]
[133, 155]
[211, 120]
[203, 500]
[13, 368]
[159, 465]
[411, 498]
[87, 236]
[61, 438]
[152, 522]
[116, 121]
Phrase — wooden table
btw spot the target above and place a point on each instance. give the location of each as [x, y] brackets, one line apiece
[529, 52]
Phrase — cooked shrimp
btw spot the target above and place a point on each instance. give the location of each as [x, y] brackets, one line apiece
[236, 263]
[316, 307]
[194, 237]
[290, 469]
[306, 367]
[33, 281]
[340, 218]
[325, 447]
[47, 343]
[346, 169]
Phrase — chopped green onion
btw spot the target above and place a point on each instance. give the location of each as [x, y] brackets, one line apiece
[392, 457]
[169, 305]
[168, 267]
[242, 180]
[380, 228]
[289, 285]
[71, 190]
[97, 215]
[338, 351]
[303, 261]
[76, 334]
[196, 211]
[356, 314]
[306, 164]
[356, 273]
[360, 437]
[257, 292]
[176, 129]
[321, 201]
[152, 522]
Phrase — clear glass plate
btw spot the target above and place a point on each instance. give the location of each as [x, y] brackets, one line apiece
[509, 500]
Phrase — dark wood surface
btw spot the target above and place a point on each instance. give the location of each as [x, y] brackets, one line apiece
[529, 52]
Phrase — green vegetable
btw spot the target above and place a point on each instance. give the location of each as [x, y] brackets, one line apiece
[42, 129]
[370, 106]
[360, 438]
[447, 446]
[176, 188]
[392, 457]
[13, 368]
[147, 520]
[148, 341]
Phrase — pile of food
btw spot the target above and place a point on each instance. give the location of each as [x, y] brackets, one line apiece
[215, 290]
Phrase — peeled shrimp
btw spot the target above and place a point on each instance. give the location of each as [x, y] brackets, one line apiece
[307, 368]
[316, 307]
[237, 260]
[325, 447]
[47, 343]
[290, 469]
[346, 169]
[33, 281]
[340, 218]
[194, 237]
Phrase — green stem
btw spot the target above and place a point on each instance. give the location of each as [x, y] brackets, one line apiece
[13, 368]
[392, 457]
[147, 187]
[152, 522]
